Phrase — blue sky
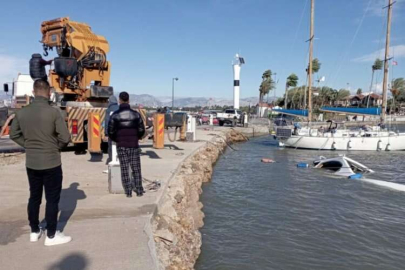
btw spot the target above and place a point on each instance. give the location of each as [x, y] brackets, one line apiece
[153, 41]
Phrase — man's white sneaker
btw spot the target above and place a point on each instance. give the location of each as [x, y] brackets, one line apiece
[105, 172]
[58, 239]
[34, 237]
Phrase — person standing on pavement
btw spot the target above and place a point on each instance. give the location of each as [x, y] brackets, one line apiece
[112, 107]
[126, 128]
[42, 131]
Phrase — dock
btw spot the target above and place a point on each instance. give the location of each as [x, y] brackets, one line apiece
[109, 231]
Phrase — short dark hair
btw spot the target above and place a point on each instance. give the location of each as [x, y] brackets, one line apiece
[41, 86]
[124, 96]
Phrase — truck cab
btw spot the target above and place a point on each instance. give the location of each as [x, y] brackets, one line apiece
[229, 116]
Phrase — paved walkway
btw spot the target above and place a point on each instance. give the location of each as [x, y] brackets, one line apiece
[109, 231]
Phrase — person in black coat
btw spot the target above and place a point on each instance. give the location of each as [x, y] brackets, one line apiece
[126, 127]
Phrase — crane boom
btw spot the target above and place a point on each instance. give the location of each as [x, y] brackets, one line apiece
[81, 70]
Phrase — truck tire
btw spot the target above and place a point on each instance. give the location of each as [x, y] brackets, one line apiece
[221, 123]
[37, 69]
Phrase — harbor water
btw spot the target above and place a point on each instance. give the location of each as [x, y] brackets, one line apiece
[277, 216]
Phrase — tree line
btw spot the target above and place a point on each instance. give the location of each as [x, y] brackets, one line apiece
[296, 97]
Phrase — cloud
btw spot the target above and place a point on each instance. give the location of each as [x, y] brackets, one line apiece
[377, 88]
[10, 67]
[396, 51]
[393, 39]
[377, 7]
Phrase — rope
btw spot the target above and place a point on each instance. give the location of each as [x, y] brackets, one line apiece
[240, 133]
[153, 185]
[175, 135]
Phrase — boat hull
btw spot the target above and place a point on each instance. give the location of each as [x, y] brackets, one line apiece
[377, 143]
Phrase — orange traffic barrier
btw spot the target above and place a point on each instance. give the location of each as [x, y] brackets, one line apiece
[159, 131]
[94, 133]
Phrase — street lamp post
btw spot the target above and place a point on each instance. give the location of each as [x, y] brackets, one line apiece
[174, 79]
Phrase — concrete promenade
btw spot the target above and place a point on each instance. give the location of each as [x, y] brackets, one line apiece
[109, 231]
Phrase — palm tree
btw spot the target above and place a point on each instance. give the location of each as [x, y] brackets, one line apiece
[397, 88]
[378, 64]
[359, 91]
[316, 66]
[292, 81]
[266, 85]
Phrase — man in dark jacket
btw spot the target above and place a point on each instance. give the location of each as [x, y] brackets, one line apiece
[112, 107]
[42, 131]
[126, 128]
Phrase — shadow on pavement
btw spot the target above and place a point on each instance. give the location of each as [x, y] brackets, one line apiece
[74, 261]
[151, 154]
[170, 146]
[68, 203]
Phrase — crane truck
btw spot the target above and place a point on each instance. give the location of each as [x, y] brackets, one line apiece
[79, 77]
[80, 80]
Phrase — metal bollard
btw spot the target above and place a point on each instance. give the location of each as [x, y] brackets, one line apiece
[245, 120]
[191, 126]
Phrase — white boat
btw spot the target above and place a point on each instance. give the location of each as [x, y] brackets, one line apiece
[362, 139]
[342, 166]
[332, 138]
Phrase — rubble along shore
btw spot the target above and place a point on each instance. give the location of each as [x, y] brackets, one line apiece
[179, 215]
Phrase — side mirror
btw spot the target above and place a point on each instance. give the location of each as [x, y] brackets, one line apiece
[5, 87]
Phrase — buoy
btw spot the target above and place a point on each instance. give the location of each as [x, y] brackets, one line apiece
[267, 160]
[379, 145]
[388, 148]
[302, 165]
[334, 146]
[7, 130]
[356, 176]
[349, 145]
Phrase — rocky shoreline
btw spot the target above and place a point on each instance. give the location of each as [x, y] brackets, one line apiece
[179, 215]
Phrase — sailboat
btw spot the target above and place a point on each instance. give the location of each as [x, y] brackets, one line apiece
[333, 137]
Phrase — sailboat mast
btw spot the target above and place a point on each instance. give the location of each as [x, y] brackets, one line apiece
[311, 40]
[386, 59]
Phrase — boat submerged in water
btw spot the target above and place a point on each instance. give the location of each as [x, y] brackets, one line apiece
[342, 166]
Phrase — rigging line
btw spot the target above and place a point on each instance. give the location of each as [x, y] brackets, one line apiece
[296, 33]
[380, 49]
[299, 26]
[351, 43]
[381, 36]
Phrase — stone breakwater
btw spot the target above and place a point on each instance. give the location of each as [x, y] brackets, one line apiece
[179, 215]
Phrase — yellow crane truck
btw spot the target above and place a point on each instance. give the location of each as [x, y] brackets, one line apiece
[79, 76]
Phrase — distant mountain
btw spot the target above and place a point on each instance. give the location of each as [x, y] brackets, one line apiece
[151, 101]
[145, 100]
[161, 101]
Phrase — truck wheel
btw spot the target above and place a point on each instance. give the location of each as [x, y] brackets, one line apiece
[221, 123]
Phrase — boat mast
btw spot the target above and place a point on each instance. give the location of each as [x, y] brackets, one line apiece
[386, 59]
[311, 40]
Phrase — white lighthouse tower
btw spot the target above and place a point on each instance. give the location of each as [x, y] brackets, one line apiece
[237, 63]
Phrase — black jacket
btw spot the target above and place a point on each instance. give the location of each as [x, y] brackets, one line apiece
[126, 127]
